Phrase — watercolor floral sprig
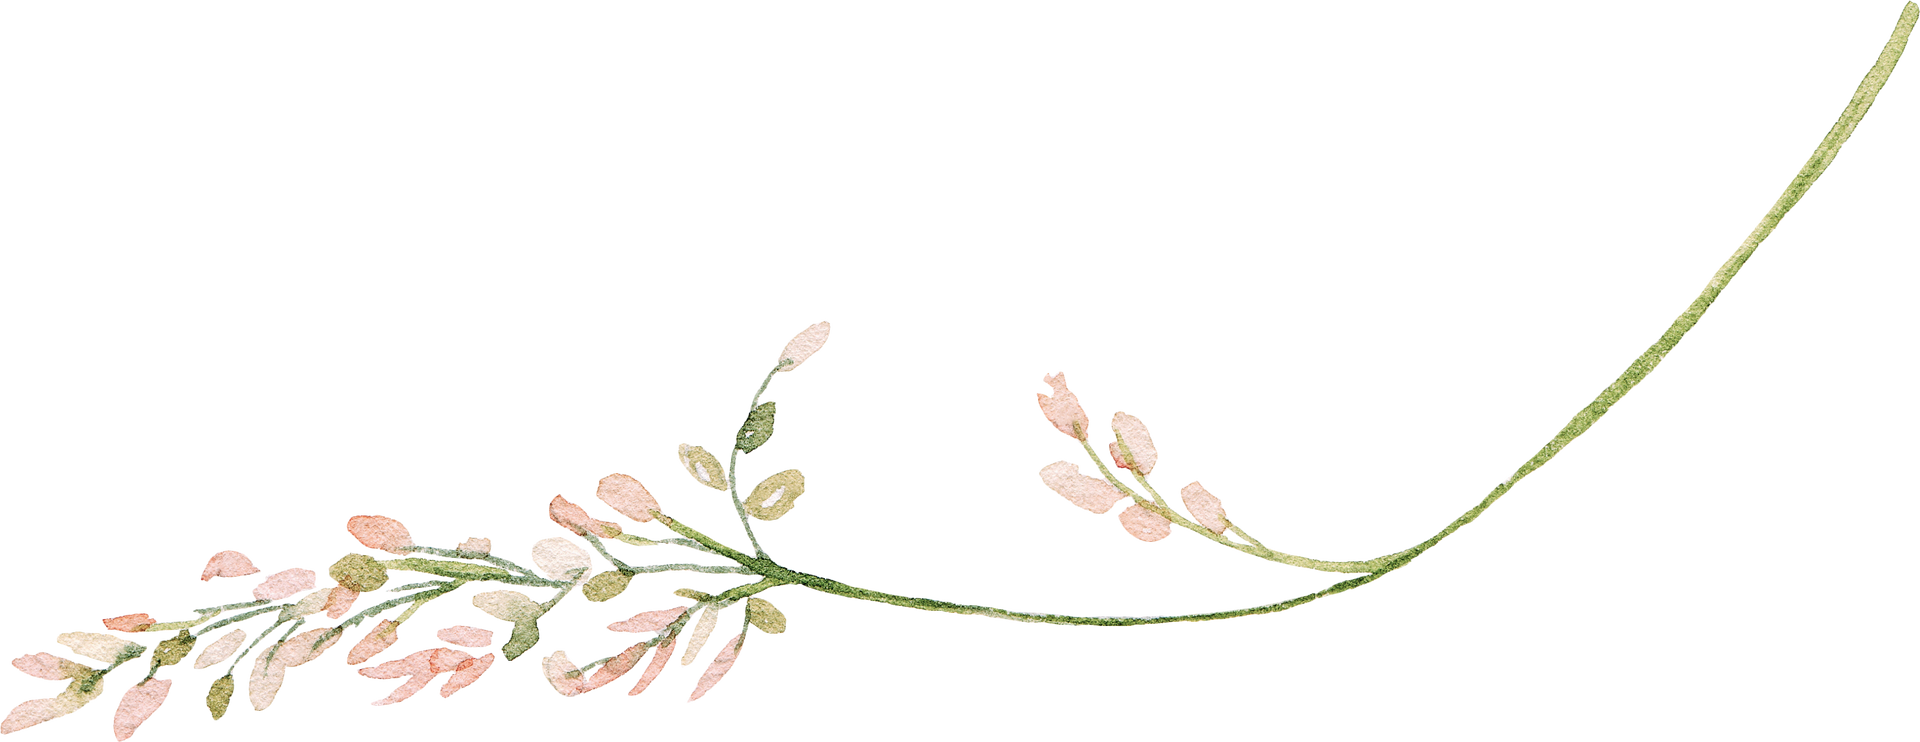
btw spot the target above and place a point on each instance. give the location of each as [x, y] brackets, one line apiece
[286, 601]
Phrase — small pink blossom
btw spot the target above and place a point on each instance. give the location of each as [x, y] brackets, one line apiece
[466, 636]
[1063, 409]
[562, 674]
[804, 345]
[1145, 524]
[575, 518]
[649, 621]
[659, 663]
[340, 600]
[383, 635]
[466, 673]
[422, 666]
[1138, 453]
[228, 564]
[139, 703]
[284, 584]
[721, 664]
[1205, 507]
[380, 532]
[48, 667]
[627, 496]
[130, 623]
[1096, 495]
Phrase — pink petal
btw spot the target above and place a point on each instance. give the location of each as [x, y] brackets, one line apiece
[481, 545]
[264, 684]
[653, 669]
[1133, 433]
[721, 664]
[407, 689]
[1206, 508]
[130, 623]
[575, 518]
[616, 667]
[446, 660]
[228, 564]
[299, 650]
[220, 650]
[1095, 495]
[468, 672]
[649, 621]
[383, 635]
[804, 345]
[380, 532]
[49, 667]
[1063, 409]
[139, 703]
[414, 664]
[340, 601]
[562, 674]
[284, 584]
[626, 495]
[1145, 524]
[466, 636]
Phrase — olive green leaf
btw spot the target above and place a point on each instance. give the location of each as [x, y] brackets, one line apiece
[775, 496]
[220, 695]
[359, 573]
[765, 617]
[606, 586]
[526, 633]
[756, 430]
[703, 466]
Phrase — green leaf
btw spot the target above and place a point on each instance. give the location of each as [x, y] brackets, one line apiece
[359, 573]
[455, 570]
[606, 586]
[787, 486]
[219, 696]
[704, 468]
[526, 633]
[172, 651]
[756, 430]
[765, 617]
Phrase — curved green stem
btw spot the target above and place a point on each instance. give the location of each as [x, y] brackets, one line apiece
[733, 465]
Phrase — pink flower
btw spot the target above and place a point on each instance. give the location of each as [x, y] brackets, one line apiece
[653, 668]
[284, 584]
[1134, 450]
[139, 703]
[626, 495]
[228, 564]
[1205, 507]
[562, 674]
[575, 518]
[804, 345]
[130, 623]
[721, 664]
[649, 621]
[422, 666]
[1095, 495]
[380, 532]
[1063, 409]
[340, 600]
[48, 667]
[383, 635]
[1145, 524]
[466, 636]
[467, 672]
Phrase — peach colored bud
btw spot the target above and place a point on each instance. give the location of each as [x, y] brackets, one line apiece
[653, 668]
[721, 664]
[130, 623]
[575, 518]
[299, 650]
[228, 564]
[48, 667]
[139, 703]
[417, 665]
[649, 621]
[1145, 524]
[284, 584]
[1096, 495]
[804, 345]
[466, 673]
[562, 674]
[626, 495]
[380, 532]
[47, 709]
[102, 647]
[479, 545]
[616, 667]
[1134, 450]
[340, 600]
[1063, 409]
[465, 636]
[383, 635]
[264, 684]
[446, 660]
[709, 618]
[1206, 508]
[219, 651]
[559, 558]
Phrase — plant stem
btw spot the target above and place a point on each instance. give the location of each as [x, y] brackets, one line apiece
[733, 465]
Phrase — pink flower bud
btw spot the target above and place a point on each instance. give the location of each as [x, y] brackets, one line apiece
[649, 621]
[416, 667]
[466, 636]
[466, 673]
[139, 703]
[299, 650]
[1145, 524]
[383, 635]
[481, 545]
[219, 651]
[48, 667]
[659, 663]
[1206, 508]
[721, 664]
[624, 494]
[228, 564]
[804, 345]
[616, 667]
[340, 600]
[575, 519]
[264, 684]
[562, 674]
[1095, 495]
[380, 532]
[47, 709]
[130, 623]
[1134, 450]
[284, 584]
[1063, 409]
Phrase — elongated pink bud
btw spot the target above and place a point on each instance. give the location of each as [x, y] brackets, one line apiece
[804, 345]
[660, 656]
[283, 584]
[130, 623]
[139, 703]
[380, 532]
[48, 667]
[466, 636]
[299, 648]
[466, 673]
[228, 564]
[649, 621]
[1145, 524]
[616, 667]
[626, 495]
[1063, 409]
[220, 650]
[1134, 449]
[340, 600]
[575, 518]
[721, 664]
[264, 684]
[383, 635]
[1096, 495]
[1206, 508]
